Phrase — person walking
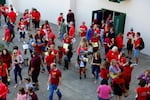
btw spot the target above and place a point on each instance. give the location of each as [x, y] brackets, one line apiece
[104, 90]
[34, 69]
[54, 81]
[3, 90]
[17, 60]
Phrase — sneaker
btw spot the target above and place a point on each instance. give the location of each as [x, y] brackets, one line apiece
[80, 78]
[15, 85]
[60, 97]
[20, 82]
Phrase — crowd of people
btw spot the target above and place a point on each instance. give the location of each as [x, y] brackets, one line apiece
[112, 71]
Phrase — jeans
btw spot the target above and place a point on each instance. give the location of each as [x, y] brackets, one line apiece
[17, 71]
[95, 69]
[61, 36]
[53, 87]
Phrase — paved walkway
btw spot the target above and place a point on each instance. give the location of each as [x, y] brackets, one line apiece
[72, 87]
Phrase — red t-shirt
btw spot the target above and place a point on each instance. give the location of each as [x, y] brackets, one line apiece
[54, 76]
[3, 90]
[127, 73]
[112, 55]
[67, 40]
[52, 36]
[142, 93]
[7, 35]
[81, 48]
[131, 33]
[137, 43]
[104, 73]
[21, 25]
[59, 19]
[93, 39]
[119, 81]
[72, 31]
[37, 16]
[54, 52]
[5, 9]
[84, 30]
[61, 52]
[12, 15]
[49, 59]
[3, 70]
[119, 42]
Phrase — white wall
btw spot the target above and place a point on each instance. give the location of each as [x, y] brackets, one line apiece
[49, 9]
[137, 15]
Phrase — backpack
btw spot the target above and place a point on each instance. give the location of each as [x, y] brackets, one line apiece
[142, 45]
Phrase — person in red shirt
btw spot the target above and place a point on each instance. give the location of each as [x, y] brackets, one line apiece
[104, 71]
[83, 30]
[37, 17]
[12, 16]
[26, 17]
[3, 90]
[49, 59]
[51, 36]
[107, 43]
[6, 58]
[59, 19]
[119, 42]
[118, 85]
[32, 13]
[72, 30]
[95, 42]
[7, 35]
[21, 29]
[122, 60]
[61, 52]
[67, 39]
[136, 47]
[142, 90]
[3, 72]
[127, 73]
[54, 81]
[130, 42]
[5, 10]
[112, 54]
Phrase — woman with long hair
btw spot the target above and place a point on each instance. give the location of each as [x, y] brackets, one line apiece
[17, 60]
[96, 62]
[7, 59]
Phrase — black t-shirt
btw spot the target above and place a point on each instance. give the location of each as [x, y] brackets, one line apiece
[97, 61]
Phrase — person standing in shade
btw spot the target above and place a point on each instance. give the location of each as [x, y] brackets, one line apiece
[54, 81]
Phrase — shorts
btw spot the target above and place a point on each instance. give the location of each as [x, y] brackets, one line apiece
[136, 52]
[129, 47]
[22, 34]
